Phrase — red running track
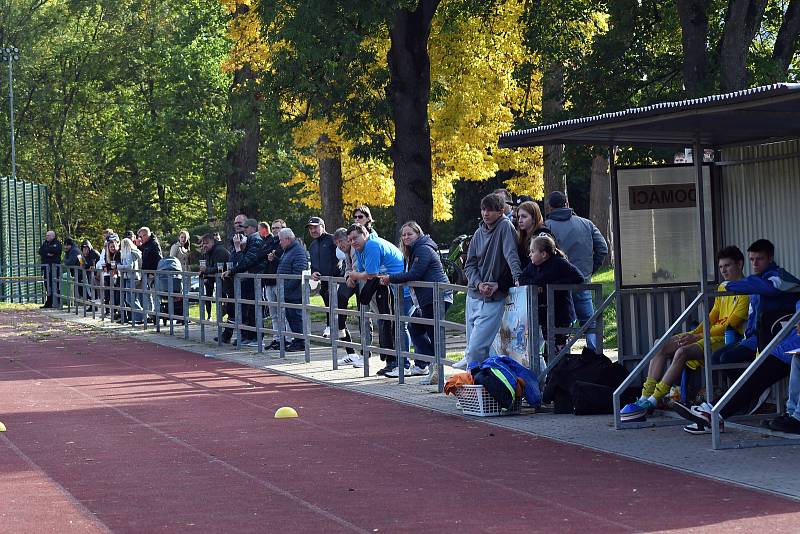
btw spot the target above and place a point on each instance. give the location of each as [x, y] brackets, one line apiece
[115, 434]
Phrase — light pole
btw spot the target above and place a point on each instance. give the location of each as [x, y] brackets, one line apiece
[11, 54]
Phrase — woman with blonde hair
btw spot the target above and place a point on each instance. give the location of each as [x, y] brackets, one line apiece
[422, 264]
[131, 272]
[180, 249]
[530, 224]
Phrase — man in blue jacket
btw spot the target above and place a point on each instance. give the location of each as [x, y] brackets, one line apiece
[585, 247]
[376, 256]
[293, 261]
[773, 294]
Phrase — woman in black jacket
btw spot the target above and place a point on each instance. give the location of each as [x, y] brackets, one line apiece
[549, 265]
[422, 264]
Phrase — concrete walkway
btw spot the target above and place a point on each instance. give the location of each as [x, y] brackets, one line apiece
[772, 469]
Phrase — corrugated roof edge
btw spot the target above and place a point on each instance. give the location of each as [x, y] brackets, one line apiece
[754, 93]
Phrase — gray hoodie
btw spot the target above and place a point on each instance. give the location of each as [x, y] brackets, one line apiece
[580, 240]
[491, 251]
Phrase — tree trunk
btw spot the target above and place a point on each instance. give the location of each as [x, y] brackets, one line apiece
[329, 159]
[600, 197]
[742, 21]
[786, 42]
[552, 110]
[409, 93]
[693, 15]
[242, 159]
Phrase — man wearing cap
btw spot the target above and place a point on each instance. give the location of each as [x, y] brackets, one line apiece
[324, 261]
[585, 247]
[50, 254]
[247, 259]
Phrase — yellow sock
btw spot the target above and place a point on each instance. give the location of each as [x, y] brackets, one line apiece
[661, 389]
[648, 387]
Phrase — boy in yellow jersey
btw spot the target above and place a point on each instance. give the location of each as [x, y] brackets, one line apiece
[687, 348]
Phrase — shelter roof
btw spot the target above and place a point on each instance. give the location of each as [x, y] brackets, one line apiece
[751, 116]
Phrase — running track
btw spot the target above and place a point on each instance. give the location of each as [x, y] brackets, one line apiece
[111, 434]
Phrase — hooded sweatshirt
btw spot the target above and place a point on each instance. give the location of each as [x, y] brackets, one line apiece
[580, 240]
[492, 252]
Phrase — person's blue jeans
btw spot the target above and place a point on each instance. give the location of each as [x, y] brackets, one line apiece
[793, 402]
[132, 299]
[422, 335]
[295, 319]
[405, 335]
[483, 323]
[584, 309]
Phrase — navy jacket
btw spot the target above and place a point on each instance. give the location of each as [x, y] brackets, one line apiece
[555, 270]
[423, 265]
[249, 260]
[774, 290]
[50, 252]
[323, 256]
[293, 261]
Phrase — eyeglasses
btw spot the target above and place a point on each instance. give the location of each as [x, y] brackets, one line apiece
[277, 227]
[360, 216]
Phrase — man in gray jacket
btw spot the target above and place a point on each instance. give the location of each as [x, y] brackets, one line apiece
[585, 248]
[492, 267]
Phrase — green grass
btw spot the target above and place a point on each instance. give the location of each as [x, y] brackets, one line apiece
[605, 276]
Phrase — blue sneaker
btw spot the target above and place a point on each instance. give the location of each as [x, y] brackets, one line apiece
[637, 412]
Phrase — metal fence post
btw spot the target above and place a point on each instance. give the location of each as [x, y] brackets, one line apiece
[366, 337]
[170, 304]
[187, 281]
[438, 337]
[305, 298]
[281, 319]
[218, 303]
[259, 311]
[237, 306]
[333, 320]
[396, 291]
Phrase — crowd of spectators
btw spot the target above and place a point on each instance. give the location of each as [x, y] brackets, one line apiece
[513, 245]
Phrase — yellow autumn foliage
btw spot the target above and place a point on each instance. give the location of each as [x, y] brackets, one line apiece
[475, 99]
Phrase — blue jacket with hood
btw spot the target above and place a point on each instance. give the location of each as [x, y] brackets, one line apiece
[775, 289]
[423, 265]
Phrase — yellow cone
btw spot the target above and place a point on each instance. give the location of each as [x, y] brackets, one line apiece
[3, 427]
[285, 413]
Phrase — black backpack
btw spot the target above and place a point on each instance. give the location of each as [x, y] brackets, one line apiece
[588, 368]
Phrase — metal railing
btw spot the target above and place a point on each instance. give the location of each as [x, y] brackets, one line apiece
[161, 299]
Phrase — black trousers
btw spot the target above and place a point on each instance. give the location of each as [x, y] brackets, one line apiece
[248, 310]
[383, 301]
[771, 370]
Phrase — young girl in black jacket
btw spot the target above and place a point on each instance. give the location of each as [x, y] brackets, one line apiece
[549, 265]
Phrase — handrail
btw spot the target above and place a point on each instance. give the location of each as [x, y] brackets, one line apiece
[716, 438]
[649, 356]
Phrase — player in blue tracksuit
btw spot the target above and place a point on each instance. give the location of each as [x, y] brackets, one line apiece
[773, 293]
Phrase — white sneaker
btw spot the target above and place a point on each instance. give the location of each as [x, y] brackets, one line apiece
[461, 364]
[326, 332]
[416, 371]
[352, 359]
[394, 373]
[250, 343]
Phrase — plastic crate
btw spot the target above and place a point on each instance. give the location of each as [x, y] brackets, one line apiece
[475, 400]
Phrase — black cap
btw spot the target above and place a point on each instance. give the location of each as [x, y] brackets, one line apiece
[520, 199]
[556, 199]
[315, 221]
